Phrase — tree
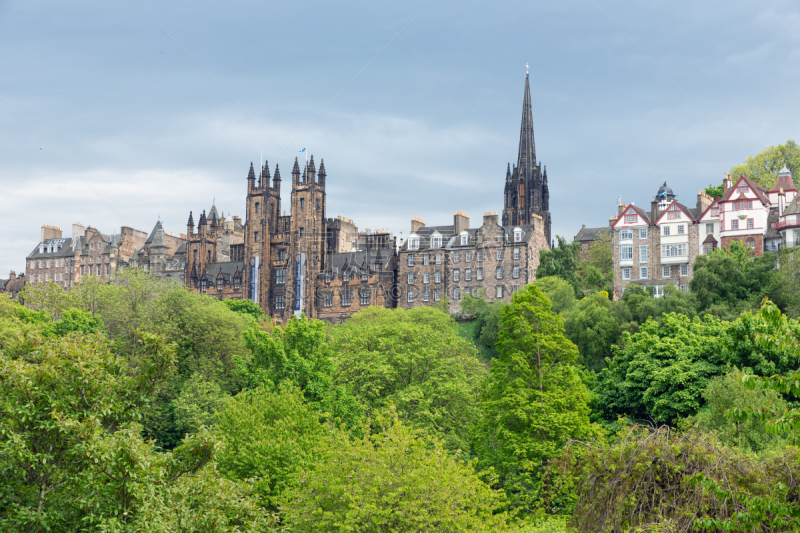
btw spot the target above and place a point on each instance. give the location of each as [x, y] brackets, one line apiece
[198, 403]
[245, 307]
[534, 400]
[562, 262]
[416, 361]
[559, 292]
[715, 191]
[593, 328]
[74, 320]
[763, 168]
[269, 436]
[395, 481]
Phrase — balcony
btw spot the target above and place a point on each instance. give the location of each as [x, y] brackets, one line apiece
[791, 221]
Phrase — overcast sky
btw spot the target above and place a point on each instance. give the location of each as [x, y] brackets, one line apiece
[114, 113]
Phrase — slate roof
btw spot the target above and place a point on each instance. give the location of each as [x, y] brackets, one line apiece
[760, 191]
[65, 251]
[590, 234]
[339, 261]
[709, 238]
[784, 181]
[157, 227]
[228, 269]
[772, 233]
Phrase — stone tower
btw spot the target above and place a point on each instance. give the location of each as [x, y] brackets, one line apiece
[526, 190]
[262, 209]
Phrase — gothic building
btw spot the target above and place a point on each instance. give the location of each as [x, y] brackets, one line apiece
[526, 192]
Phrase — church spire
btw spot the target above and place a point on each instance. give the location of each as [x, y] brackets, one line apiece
[526, 160]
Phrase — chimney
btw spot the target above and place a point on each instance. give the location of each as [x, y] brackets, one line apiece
[703, 202]
[620, 208]
[726, 182]
[78, 230]
[490, 218]
[50, 232]
[237, 220]
[781, 201]
[460, 222]
[416, 223]
[12, 275]
[653, 209]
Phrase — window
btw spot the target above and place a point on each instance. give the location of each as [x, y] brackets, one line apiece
[517, 235]
[302, 232]
[437, 295]
[426, 295]
[345, 275]
[327, 299]
[237, 283]
[426, 277]
[41, 263]
[681, 229]
[643, 274]
[410, 278]
[436, 241]
[255, 236]
[40, 277]
[345, 296]
[280, 302]
[626, 252]
[665, 271]
[684, 270]
[411, 260]
[516, 253]
[464, 239]
[328, 276]
[456, 275]
[630, 219]
[437, 276]
[456, 293]
[364, 297]
[203, 285]
[426, 259]
[195, 255]
[710, 247]
[643, 253]
[743, 189]
[685, 288]
[47, 276]
[710, 229]
[750, 223]
[673, 250]
[499, 273]
[673, 215]
[626, 235]
[479, 273]
[515, 272]
[302, 203]
[413, 244]
[280, 276]
[734, 224]
[751, 243]
[468, 256]
[410, 296]
[658, 291]
[438, 259]
[479, 256]
[282, 255]
[715, 211]
[741, 206]
[498, 291]
[108, 269]
[365, 274]
[666, 230]
[257, 206]
[456, 257]
[47, 263]
[220, 284]
[642, 234]
[499, 254]
[468, 274]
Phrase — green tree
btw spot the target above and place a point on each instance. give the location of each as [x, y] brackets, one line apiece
[269, 436]
[534, 401]
[559, 292]
[198, 403]
[562, 262]
[245, 307]
[393, 481]
[17, 320]
[715, 191]
[763, 168]
[74, 320]
[416, 361]
[593, 328]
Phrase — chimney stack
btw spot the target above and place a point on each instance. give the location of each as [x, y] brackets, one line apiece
[490, 218]
[726, 183]
[50, 232]
[416, 223]
[703, 202]
[460, 222]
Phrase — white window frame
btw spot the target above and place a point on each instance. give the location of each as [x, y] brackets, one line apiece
[643, 253]
[626, 273]
[644, 273]
[665, 230]
[410, 278]
[684, 270]
[626, 252]
[710, 229]
[426, 277]
[626, 234]
[498, 293]
[516, 253]
[479, 273]
[666, 271]
[642, 234]
[456, 275]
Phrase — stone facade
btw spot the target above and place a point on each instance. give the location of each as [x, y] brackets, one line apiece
[13, 285]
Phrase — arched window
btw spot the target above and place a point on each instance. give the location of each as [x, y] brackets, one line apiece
[751, 243]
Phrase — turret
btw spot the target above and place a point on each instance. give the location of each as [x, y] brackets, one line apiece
[264, 182]
[295, 173]
[276, 181]
[251, 178]
[312, 171]
[321, 175]
[190, 225]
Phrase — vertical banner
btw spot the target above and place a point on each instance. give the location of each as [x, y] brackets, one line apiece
[299, 278]
[253, 293]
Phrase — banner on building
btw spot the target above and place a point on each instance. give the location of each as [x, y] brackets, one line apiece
[253, 293]
[299, 278]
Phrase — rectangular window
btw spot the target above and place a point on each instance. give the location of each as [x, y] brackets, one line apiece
[47, 276]
[499, 254]
[498, 291]
[515, 272]
[750, 223]
[345, 296]
[437, 276]
[673, 215]
[410, 278]
[426, 259]
[302, 203]
[220, 284]
[642, 234]
[327, 299]
[426, 277]
[280, 302]
[410, 296]
[411, 260]
[438, 259]
[437, 295]
[426, 296]
[710, 229]
[626, 234]
[516, 253]
[666, 230]
[499, 272]
[743, 189]
[47, 263]
[643, 253]
[108, 267]
[674, 250]
[681, 229]
[456, 257]
[665, 271]
[643, 273]
[456, 275]
[456, 293]
[364, 297]
[237, 283]
[257, 206]
[715, 211]
[468, 256]
[468, 274]
[685, 288]
[626, 252]
[280, 276]
[684, 270]
[282, 255]
[734, 224]
[479, 273]
[630, 219]
[479, 255]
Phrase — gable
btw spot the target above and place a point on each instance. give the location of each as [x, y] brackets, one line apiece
[630, 217]
[675, 212]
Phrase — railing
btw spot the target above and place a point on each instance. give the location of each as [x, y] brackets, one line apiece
[788, 223]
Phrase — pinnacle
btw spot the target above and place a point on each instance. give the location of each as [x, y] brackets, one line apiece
[321, 167]
[296, 169]
[252, 174]
[312, 167]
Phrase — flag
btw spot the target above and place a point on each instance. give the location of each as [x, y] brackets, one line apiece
[303, 150]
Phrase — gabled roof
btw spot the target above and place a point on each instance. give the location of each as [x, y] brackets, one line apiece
[682, 207]
[760, 191]
[627, 211]
[227, 268]
[589, 234]
[709, 239]
[784, 181]
[715, 202]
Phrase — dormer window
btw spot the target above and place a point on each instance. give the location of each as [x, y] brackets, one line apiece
[630, 219]
[436, 241]
[346, 275]
[328, 276]
[464, 239]
[220, 284]
[517, 234]
[413, 243]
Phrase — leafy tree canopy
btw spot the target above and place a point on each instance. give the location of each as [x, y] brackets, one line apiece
[763, 168]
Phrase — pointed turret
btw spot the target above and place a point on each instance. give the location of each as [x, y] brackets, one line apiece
[213, 213]
[276, 181]
[251, 178]
[321, 175]
[312, 171]
[191, 220]
[264, 184]
[159, 240]
[526, 158]
[202, 219]
[295, 172]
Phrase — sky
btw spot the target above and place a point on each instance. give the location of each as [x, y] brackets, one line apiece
[117, 113]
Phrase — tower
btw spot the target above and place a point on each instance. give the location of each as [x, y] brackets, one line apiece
[526, 189]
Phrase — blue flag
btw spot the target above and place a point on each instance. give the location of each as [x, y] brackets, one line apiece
[303, 150]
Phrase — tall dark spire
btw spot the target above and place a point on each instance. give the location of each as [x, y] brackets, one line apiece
[526, 160]
[252, 174]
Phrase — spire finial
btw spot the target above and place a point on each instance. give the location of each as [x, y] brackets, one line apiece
[526, 68]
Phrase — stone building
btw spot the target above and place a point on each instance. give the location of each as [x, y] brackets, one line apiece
[587, 236]
[13, 285]
[452, 261]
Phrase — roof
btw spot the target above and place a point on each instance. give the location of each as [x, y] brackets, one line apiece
[665, 191]
[709, 239]
[341, 260]
[526, 157]
[159, 241]
[759, 190]
[227, 268]
[686, 211]
[771, 222]
[793, 208]
[639, 211]
[784, 181]
[65, 250]
[157, 227]
[589, 234]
